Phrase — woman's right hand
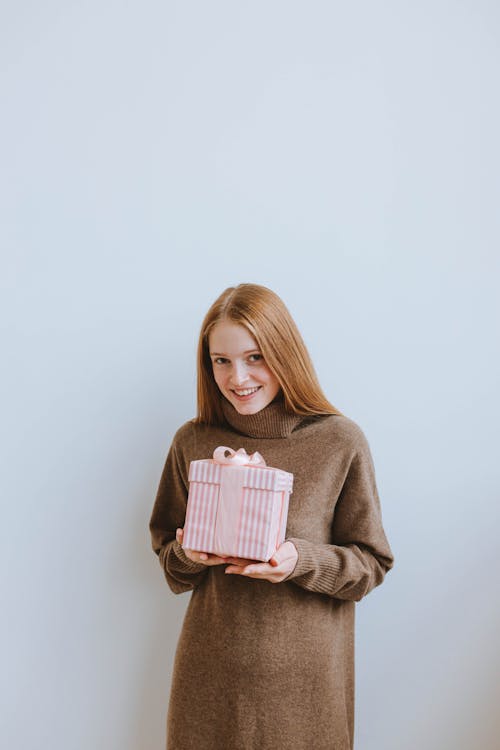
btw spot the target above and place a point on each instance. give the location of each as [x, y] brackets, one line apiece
[195, 556]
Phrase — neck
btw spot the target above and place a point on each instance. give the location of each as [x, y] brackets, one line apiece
[273, 421]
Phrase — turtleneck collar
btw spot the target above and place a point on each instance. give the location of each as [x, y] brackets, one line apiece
[273, 421]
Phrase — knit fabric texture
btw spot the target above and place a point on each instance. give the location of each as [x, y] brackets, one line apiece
[262, 665]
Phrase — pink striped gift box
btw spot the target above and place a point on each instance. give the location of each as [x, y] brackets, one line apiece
[237, 506]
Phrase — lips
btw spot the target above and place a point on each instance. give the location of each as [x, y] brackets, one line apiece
[248, 397]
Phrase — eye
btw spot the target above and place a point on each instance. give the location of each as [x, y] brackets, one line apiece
[222, 360]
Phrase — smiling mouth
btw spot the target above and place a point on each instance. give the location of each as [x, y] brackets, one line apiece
[246, 391]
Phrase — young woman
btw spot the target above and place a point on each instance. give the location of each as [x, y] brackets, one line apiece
[265, 659]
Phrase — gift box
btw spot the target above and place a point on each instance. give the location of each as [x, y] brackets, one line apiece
[237, 505]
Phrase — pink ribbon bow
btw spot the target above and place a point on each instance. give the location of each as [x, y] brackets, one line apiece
[237, 458]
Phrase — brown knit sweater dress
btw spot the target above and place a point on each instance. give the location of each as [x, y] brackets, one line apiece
[262, 665]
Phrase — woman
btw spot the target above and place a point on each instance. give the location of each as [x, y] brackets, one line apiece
[265, 658]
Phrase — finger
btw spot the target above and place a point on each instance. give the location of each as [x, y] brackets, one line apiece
[257, 570]
[213, 557]
[233, 569]
[241, 561]
[200, 555]
[240, 569]
[195, 555]
[252, 571]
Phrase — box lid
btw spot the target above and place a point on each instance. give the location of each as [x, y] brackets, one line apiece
[259, 477]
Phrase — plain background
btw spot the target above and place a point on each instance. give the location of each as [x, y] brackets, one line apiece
[153, 153]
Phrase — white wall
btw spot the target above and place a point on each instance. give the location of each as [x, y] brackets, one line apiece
[153, 153]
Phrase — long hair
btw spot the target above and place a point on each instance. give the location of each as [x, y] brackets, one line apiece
[263, 313]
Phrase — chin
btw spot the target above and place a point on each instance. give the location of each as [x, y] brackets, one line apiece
[250, 407]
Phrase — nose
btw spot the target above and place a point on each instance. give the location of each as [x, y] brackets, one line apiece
[239, 375]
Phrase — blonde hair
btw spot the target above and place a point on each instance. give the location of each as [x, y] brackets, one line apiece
[263, 313]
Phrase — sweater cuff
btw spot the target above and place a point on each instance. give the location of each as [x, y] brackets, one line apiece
[189, 565]
[308, 560]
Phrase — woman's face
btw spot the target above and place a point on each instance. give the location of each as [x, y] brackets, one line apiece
[238, 365]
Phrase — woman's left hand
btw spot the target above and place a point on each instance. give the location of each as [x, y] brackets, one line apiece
[278, 568]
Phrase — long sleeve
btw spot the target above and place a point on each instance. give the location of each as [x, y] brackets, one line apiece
[169, 512]
[359, 556]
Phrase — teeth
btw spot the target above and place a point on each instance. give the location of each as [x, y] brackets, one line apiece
[247, 391]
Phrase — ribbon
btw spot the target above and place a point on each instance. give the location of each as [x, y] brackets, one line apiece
[237, 458]
[228, 521]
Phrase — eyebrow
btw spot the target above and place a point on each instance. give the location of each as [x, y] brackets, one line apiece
[220, 354]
